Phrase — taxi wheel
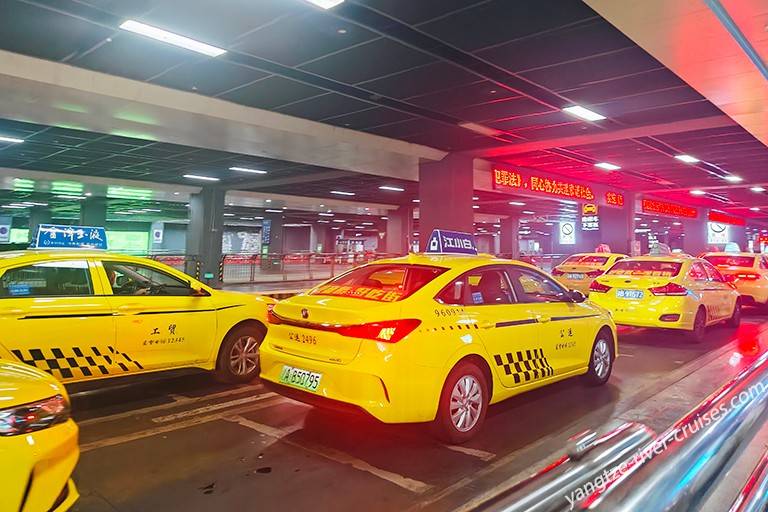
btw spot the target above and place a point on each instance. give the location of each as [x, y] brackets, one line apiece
[735, 319]
[463, 404]
[696, 335]
[600, 360]
[238, 359]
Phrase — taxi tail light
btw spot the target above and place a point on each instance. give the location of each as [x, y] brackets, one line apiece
[272, 318]
[599, 287]
[556, 272]
[673, 289]
[594, 273]
[389, 331]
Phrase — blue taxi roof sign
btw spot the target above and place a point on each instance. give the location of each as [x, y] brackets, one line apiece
[451, 242]
[54, 236]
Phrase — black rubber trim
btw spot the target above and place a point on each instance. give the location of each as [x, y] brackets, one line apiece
[512, 323]
[43, 317]
[561, 318]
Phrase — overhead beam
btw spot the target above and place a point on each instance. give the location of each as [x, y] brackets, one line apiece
[703, 123]
[277, 182]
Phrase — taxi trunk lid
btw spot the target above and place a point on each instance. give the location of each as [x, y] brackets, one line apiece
[309, 325]
[634, 282]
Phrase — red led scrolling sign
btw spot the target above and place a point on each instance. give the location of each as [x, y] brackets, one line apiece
[614, 199]
[724, 218]
[512, 180]
[671, 209]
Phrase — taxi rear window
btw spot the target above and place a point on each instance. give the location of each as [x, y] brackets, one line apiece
[731, 261]
[383, 283]
[593, 260]
[572, 260]
[645, 268]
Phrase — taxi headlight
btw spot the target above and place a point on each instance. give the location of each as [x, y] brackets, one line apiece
[34, 416]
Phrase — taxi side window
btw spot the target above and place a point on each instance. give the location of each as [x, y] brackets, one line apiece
[713, 274]
[697, 272]
[488, 287]
[133, 279]
[534, 287]
[48, 279]
[453, 294]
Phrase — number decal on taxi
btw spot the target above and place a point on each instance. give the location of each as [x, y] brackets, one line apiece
[302, 338]
[444, 312]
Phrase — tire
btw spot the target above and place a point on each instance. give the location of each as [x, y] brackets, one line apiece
[463, 425]
[233, 364]
[696, 335]
[735, 319]
[601, 360]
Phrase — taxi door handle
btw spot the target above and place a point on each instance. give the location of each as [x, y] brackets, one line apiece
[131, 308]
[542, 319]
[487, 325]
[14, 312]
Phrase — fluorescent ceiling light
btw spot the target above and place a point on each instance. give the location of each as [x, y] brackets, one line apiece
[13, 206]
[198, 177]
[755, 209]
[528, 212]
[757, 189]
[393, 189]
[323, 214]
[339, 220]
[385, 218]
[688, 159]
[33, 203]
[171, 38]
[274, 211]
[65, 196]
[367, 223]
[342, 193]
[326, 4]
[12, 140]
[229, 214]
[475, 206]
[245, 169]
[151, 210]
[583, 113]
[482, 130]
[324, 222]
[698, 192]
[415, 200]
[608, 167]
[733, 178]
[517, 203]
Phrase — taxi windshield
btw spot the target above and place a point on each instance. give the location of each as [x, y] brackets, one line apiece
[731, 261]
[384, 283]
[645, 268]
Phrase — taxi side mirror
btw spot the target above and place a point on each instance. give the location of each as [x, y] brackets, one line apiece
[576, 296]
[200, 292]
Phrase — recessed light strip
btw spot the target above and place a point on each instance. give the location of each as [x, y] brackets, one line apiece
[171, 38]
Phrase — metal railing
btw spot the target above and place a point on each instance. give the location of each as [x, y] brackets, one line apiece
[189, 264]
[678, 470]
[301, 266]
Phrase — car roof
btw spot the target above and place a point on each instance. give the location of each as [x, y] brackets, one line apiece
[607, 254]
[453, 261]
[665, 257]
[731, 254]
[35, 255]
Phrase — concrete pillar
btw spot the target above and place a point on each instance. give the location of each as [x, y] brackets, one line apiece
[399, 229]
[695, 230]
[617, 225]
[205, 231]
[445, 196]
[509, 244]
[38, 215]
[273, 233]
[93, 211]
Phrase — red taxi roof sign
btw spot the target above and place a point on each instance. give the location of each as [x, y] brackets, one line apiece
[451, 242]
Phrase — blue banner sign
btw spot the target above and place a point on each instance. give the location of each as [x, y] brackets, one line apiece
[451, 242]
[79, 237]
[266, 231]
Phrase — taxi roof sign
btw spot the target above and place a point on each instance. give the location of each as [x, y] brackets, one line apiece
[54, 236]
[451, 242]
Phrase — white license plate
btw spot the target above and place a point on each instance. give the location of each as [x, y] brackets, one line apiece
[303, 379]
[576, 276]
[630, 294]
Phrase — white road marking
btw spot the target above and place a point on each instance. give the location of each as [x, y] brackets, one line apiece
[181, 401]
[212, 407]
[624, 354]
[409, 484]
[191, 422]
[472, 452]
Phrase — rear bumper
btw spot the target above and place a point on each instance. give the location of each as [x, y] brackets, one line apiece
[752, 291]
[36, 469]
[389, 387]
[648, 313]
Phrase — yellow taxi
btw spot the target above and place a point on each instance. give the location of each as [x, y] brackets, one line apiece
[671, 292]
[87, 314]
[434, 337]
[747, 271]
[579, 270]
[38, 442]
